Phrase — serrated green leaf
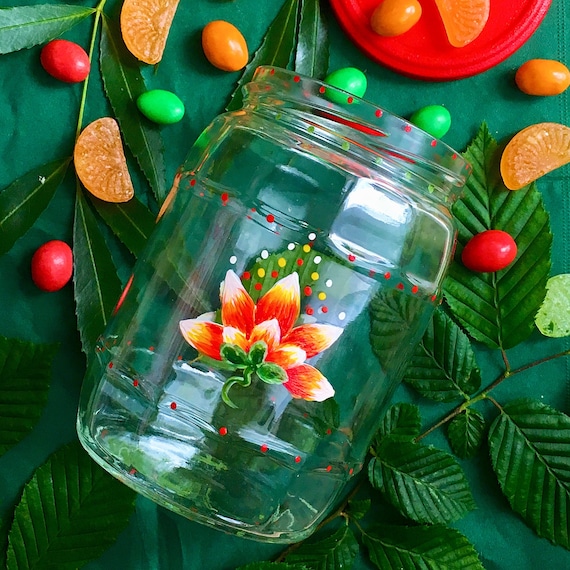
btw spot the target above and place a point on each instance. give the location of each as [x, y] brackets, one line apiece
[402, 421]
[357, 509]
[312, 53]
[70, 512]
[96, 285]
[331, 553]
[26, 198]
[465, 433]
[25, 374]
[276, 48]
[132, 222]
[498, 308]
[443, 366]
[423, 483]
[26, 26]
[553, 317]
[396, 321]
[420, 548]
[530, 453]
[123, 84]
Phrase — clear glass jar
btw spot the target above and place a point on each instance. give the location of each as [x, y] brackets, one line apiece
[297, 262]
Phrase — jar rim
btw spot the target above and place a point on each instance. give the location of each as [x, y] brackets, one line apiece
[370, 124]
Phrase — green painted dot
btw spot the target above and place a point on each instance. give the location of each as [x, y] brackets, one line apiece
[278, 116]
[431, 188]
[345, 145]
[408, 175]
[378, 160]
[311, 129]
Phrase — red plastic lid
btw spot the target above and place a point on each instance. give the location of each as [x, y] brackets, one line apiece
[424, 51]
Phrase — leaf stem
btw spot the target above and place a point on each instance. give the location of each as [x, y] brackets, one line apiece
[98, 15]
[484, 393]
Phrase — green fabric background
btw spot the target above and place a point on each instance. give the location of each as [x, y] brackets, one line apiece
[37, 124]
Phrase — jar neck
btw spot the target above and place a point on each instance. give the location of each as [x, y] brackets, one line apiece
[362, 137]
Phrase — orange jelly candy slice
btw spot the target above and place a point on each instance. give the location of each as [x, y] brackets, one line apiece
[463, 20]
[100, 161]
[145, 25]
[533, 152]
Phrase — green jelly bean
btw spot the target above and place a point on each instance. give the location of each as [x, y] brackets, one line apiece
[348, 79]
[160, 106]
[433, 119]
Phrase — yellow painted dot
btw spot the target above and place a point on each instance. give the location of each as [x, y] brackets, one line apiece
[322, 295]
[306, 248]
[314, 275]
[261, 272]
[282, 262]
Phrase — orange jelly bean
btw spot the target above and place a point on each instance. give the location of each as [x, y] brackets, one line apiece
[224, 46]
[542, 77]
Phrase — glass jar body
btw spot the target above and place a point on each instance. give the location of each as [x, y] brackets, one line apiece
[266, 325]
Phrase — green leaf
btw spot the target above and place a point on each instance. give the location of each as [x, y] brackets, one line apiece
[26, 198]
[312, 53]
[331, 553]
[443, 366]
[26, 26]
[25, 374]
[498, 308]
[271, 373]
[465, 433]
[401, 422]
[553, 317]
[358, 509]
[257, 352]
[423, 483]
[276, 48]
[420, 547]
[69, 514]
[123, 84]
[530, 453]
[233, 354]
[96, 285]
[132, 222]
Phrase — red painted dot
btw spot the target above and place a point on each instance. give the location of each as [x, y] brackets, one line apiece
[329, 468]
[151, 348]
[258, 286]
[351, 257]
[110, 365]
[433, 142]
[296, 79]
[223, 430]
[300, 262]
[264, 448]
[253, 210]
[322, 89]
[201, 194]
[298, 459]
[387, 275]
[351, 471]
[225, 197]
[308, 291]
[246, 275]
[309, 310]
[274, 274]
[350, 100]
[179, 357]
[454, 156]
[371, 273]
[325, 309]
[173, 405]
[329, 431]
[415, 289]
[271, 72]
[193, 182]
[132, 471]
[407, 128]
[378, 112]
[400, 286]
[270, 218]
[135, 382]
[433, 297]
[129, 342]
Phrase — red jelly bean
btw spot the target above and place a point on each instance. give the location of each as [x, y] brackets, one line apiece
[488, 251]
[65, 61]
[52, 265]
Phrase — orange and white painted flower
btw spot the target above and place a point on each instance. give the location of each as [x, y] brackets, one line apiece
[270, 323]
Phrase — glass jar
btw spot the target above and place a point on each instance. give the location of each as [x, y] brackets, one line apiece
[297, 262]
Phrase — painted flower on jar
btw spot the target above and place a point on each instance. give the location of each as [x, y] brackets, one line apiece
[261, 339]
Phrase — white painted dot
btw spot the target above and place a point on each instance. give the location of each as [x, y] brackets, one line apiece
[312, 236]
[264, 254]
[328, 282]
[317, 259]
[342, 316]
[291, 247]
[233, 259]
